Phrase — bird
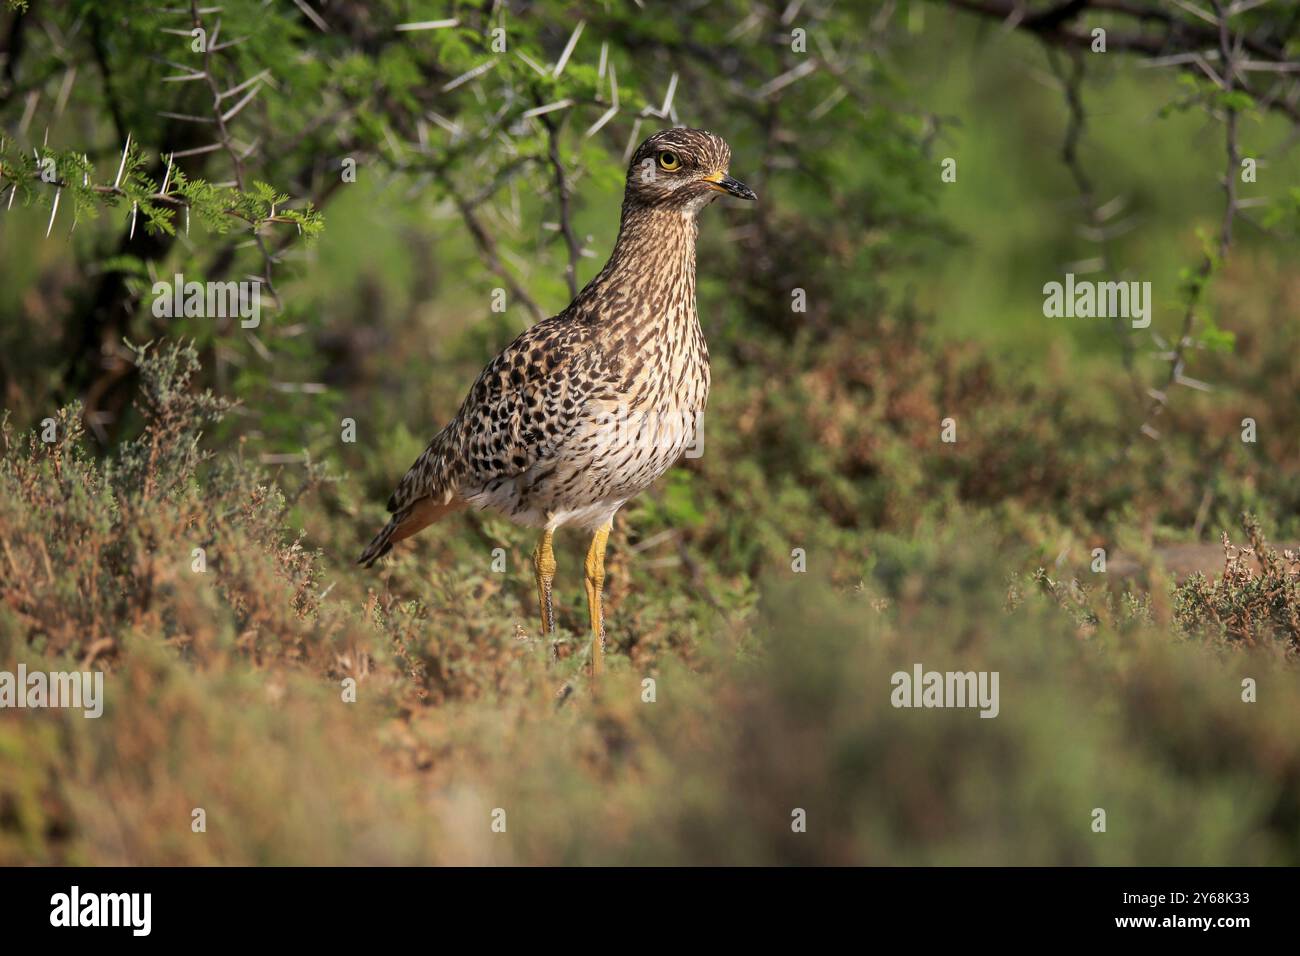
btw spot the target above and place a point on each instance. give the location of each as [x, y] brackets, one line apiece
[586, 409]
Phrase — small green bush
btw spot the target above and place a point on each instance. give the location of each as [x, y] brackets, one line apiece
[1245, 603]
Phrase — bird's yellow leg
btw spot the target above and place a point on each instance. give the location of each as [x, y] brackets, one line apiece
[544, 569]
[595, 568]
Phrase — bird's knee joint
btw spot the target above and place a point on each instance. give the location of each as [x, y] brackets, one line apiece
[544, 563]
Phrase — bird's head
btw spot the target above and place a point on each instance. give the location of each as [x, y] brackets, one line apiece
[682, 169]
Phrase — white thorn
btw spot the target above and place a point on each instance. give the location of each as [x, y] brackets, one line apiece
[448, 125]
[605, 117]
[426, 25]
[563, 61]
[548, 108]
[312, 15]
[468, 75]
[230, 114]
[785, 79]
[632, 141]
[54, 209]
[537, 67]
[122, 165]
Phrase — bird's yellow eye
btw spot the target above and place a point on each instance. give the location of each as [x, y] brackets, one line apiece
[670, 161]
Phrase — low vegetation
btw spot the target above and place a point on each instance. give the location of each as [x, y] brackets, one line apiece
[227, 690]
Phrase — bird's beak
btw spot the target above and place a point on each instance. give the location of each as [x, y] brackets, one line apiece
[725, 184]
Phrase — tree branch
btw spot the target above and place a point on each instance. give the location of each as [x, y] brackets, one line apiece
[562, 191]
[1179, 36]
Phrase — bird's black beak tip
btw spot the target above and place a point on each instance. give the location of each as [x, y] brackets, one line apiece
[739, 189]
[734, 187]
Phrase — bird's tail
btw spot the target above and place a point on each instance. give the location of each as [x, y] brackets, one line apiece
[381, 545]
[405, 522]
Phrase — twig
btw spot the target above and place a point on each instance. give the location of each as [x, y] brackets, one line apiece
[562, 192]
[1209, 261]
[1053, 26]
[224, 138]
[1072, 86]
[487, 245]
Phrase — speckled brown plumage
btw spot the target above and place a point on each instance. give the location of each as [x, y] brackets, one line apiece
[589, 407]
[586, 409]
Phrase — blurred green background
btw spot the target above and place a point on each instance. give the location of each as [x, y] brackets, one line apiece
[1121, 690]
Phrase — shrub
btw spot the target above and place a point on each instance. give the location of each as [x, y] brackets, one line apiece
[143, 541]
[770, 696]
[1247, 603]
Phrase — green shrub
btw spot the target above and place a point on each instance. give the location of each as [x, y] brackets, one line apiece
[1245, 603]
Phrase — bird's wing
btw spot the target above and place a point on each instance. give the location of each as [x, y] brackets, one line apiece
[520, 409]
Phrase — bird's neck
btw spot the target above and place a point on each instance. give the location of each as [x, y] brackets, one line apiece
[650, 275]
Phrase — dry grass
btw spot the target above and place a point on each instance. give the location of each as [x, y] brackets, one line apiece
[226, 692]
